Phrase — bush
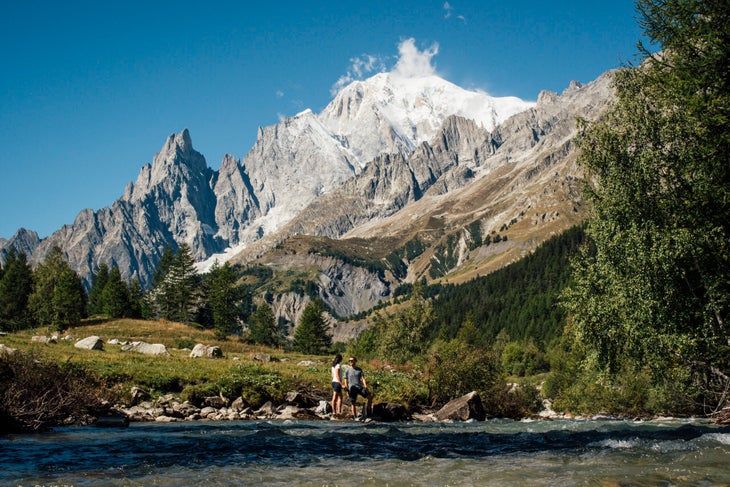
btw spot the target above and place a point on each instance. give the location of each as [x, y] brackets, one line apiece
[512, 401]
[196, 393]
[456, 368]
[36, 395]
[254, 383]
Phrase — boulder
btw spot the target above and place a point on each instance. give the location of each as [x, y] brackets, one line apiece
[390, 411]
[138, 395]
[295, 412]
[206, 351]
[299, 399]
[462, 408]
[5, 350]
[215, 402]
[239, 404]
[90, 343]
[267, 410]
[42, 339]
[146, 348]
[264, 357]
[307, 363]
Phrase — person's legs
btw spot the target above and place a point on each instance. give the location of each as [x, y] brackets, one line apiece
[337, 408]
[353, 399]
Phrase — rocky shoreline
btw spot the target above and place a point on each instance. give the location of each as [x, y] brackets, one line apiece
[169, 408]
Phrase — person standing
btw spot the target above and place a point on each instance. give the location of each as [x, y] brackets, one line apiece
[358, 386]
[337, 385]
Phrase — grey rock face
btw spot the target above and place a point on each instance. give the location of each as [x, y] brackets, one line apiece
[307, 175]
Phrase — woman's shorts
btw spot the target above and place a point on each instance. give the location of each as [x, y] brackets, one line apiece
[337, 387]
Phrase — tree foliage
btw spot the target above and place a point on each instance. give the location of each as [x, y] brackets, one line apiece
[653, 287]
[263, 327]
[95, 305]
[224, 296]
[311, 334]
[16, 285]
[177, 295]
[59, 297]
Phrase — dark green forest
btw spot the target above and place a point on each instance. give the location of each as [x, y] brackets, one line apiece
[520, 299]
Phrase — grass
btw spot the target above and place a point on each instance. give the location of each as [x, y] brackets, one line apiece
[174, 373]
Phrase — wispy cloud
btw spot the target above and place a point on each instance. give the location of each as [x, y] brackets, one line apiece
[448, 9]
[449, 12]
[360, 68]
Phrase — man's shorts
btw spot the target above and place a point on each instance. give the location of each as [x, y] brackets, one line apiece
[355, 390]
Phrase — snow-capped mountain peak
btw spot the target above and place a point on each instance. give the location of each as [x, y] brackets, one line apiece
[393, 113]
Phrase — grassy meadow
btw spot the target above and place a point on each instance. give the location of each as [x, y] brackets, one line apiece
[237, 373]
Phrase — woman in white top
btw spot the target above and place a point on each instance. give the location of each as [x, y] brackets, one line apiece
[337, 385]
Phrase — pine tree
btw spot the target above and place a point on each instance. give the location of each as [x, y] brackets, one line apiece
[16, 285]
[224, 296]
[311, 334]
[100, 278]
[263, 328]
[69, 300]
[179, 294]
[653, 287]
[115, 296]
[57, 292]
[136, 299]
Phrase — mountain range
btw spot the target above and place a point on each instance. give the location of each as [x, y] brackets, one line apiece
[396, 179]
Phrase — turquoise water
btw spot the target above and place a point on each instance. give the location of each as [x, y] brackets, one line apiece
[500, 453]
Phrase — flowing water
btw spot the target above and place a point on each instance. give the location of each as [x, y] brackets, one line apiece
[500, 453]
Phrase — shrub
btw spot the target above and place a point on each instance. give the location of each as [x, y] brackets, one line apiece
[196, 393]
[456, 368]
[254, 383]
[36, 395]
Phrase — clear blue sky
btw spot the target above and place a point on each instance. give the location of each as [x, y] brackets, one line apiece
[89, 91]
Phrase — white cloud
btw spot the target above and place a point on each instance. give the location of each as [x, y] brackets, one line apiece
[449, 12]
[448, 9]
[360, 68]
[413, 63]
[279, 94]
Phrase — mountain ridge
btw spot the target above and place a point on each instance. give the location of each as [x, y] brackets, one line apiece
[300, 178]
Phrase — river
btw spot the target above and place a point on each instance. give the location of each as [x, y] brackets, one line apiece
[495, 452]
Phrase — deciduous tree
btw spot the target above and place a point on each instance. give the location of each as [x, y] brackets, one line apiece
[653, 287]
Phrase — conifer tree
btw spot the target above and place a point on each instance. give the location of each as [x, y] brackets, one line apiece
[263, 328]
[311, 334]
[16, 285]
[224, 296]
[115, 296]
[178, 295]
[97, 287]
[58, 296]
[69, 300]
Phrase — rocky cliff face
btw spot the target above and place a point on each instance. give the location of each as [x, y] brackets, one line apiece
[388, 160]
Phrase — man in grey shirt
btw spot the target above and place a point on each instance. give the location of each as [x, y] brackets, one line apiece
[356, 385]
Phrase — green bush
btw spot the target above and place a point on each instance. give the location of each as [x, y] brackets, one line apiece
[196, 393]
[254, 383]
[455, 368]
